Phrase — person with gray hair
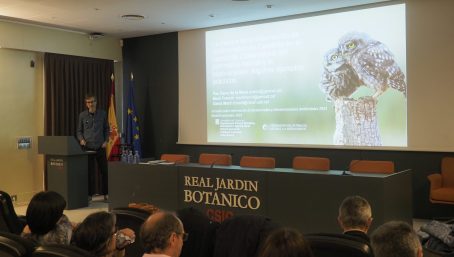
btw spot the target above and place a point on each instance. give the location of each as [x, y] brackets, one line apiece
[162, 235]
[355, 217]
[396, 239]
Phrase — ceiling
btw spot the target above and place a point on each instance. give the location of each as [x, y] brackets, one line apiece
[161, 16]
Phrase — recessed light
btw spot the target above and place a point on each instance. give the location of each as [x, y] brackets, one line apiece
[133, 17]
[211, 15]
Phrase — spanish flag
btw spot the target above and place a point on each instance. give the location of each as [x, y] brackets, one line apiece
[113, 146]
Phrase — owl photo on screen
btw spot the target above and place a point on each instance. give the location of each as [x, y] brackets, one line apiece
[339, 80]
[373, 62]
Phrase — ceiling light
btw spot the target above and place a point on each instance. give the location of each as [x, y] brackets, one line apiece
[133, 17]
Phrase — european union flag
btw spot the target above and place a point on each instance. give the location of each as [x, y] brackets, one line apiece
[132, 124]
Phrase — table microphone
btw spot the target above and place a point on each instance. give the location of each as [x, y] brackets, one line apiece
[216, 161]
[352, 164]
[181, 160]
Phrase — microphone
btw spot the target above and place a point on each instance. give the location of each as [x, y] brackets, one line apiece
[217, 160]
[181, 160]
[350, 165]
[214, 162]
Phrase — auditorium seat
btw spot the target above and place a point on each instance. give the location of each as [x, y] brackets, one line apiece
[12, 245]
[311, 163]
[339, 245]
[132, 218]
[242, 235]
[442, 184]
[215, 159]
[176, 158]
[202, 233]
[58, 250]
[9, 222]
[366, 166]
[257, 162]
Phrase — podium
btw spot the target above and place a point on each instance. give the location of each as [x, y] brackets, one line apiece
[67, 169]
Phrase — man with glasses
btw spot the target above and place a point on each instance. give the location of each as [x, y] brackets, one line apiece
[162, 235]
[93, 135]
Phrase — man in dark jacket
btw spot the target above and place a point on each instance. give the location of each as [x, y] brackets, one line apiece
[355, 217]
[93, 135]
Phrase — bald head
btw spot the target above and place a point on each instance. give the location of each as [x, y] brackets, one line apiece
[158, 230]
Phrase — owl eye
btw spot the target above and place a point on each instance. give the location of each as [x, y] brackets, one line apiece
[334, 57]
[351, 45]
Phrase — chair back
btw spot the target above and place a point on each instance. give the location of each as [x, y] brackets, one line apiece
[365, 166]
[176, 158]
[242, 235]
[447, 171]
[258, 162]
[339, 245]
[9, 221]
[12, 245]
[215, 159]
[60, 250]
[132, 218]
[202, 233]
[311, 163]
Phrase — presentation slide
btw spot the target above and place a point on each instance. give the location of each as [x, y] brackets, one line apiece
[334, 79]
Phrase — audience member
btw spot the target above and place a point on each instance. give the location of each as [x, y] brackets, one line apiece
[162, 235]
[242, 235]
[286, 242]
[46, 223]
[355, 217]
[98, 235]
[396, 239]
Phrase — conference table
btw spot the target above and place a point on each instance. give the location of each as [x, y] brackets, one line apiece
[306, 200]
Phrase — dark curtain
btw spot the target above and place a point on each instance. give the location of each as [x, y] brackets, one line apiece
[67, 80]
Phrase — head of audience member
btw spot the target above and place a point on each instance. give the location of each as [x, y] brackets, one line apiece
[96, 234]
[163, 233]
[286, 242]
[396, 239]
[355, 214]
[90, 102]
[44, 211]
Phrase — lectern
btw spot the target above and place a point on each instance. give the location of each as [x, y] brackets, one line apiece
[67, 168]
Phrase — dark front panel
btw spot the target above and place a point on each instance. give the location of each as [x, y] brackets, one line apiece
[310, 201]
[134, 183]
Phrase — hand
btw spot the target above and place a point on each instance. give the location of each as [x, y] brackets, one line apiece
[128, 232]
[83, 142]
[104, 145]
[125, 237]
[26, 230]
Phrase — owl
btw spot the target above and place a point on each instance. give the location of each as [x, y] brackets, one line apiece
[373, 62]
[338, 80]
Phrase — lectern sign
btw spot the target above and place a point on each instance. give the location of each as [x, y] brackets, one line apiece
[58, 163]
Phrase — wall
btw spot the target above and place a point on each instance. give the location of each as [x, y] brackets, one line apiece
[22, 97]
[430, 40]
